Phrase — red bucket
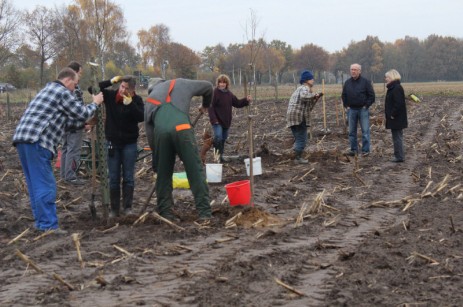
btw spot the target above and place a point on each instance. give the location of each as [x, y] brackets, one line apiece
[239, 193]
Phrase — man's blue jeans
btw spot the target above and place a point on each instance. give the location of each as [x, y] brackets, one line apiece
[41, 183]
[122, 158]
[300, 136]
[363, 116]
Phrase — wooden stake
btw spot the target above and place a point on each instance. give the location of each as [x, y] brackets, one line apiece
[324, 105]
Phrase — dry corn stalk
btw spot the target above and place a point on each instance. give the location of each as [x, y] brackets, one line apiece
[162, 219]
[332, 221]
[441, 185]
[76, 239]
[46, 233]
[216, 156]
[416, 255]
[28, 261]
[22, 234]
[232, 222]
[425, 193]
[288, 287]
[122, 250]
[317, 203]
[300, 217]
[111, 228]
[141, 219]
[39, 270]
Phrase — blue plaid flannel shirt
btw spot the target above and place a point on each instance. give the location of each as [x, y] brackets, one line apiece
[47, 115]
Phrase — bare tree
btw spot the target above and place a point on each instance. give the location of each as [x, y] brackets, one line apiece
[42, 26]
[254, 45]
[9, 27]
[73, 35]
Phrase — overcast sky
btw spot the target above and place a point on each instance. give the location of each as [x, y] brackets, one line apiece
[330, 24]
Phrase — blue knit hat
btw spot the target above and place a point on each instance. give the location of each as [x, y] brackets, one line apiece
[305, 76]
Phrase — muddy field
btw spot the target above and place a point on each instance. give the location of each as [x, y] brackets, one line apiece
[337, 232]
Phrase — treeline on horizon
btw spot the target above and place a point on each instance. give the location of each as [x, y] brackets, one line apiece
[89, 30]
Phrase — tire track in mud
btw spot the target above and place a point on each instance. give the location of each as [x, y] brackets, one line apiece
[314, 284]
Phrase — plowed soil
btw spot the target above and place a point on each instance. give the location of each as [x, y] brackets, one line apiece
[339, 231]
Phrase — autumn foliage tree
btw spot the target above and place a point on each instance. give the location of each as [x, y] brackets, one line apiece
[183, 61]
[104, 26]
[311, 57]
[153, 45]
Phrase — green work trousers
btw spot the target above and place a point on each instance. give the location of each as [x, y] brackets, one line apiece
[173, 137]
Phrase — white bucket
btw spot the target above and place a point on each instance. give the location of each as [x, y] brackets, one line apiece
[256, 166]
[214, 172]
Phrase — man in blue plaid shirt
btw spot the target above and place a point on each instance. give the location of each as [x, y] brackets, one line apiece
[37, 135]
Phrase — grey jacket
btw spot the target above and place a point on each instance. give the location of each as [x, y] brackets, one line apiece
[181, 95]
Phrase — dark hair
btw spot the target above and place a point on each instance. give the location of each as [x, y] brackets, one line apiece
[67, 72]
[75, 66]
[131, 80]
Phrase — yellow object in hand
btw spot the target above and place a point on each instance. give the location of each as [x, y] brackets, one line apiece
[127, 99]
[414, 98]
[116, 79]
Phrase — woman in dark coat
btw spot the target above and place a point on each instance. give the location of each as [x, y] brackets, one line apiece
[395, 112]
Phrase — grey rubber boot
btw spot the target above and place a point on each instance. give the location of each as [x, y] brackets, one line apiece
[115, 198]
[299, 159]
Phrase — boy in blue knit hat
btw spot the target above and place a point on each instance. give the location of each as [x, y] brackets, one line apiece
[301, 103]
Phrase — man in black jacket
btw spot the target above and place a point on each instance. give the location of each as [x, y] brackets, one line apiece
[357, 96]
[124, 110]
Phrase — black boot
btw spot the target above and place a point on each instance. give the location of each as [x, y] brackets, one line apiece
[127, 199]
[115, 198]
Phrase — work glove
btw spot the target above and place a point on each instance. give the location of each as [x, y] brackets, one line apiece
[127, 100]
[116, 79]
[414, 98]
